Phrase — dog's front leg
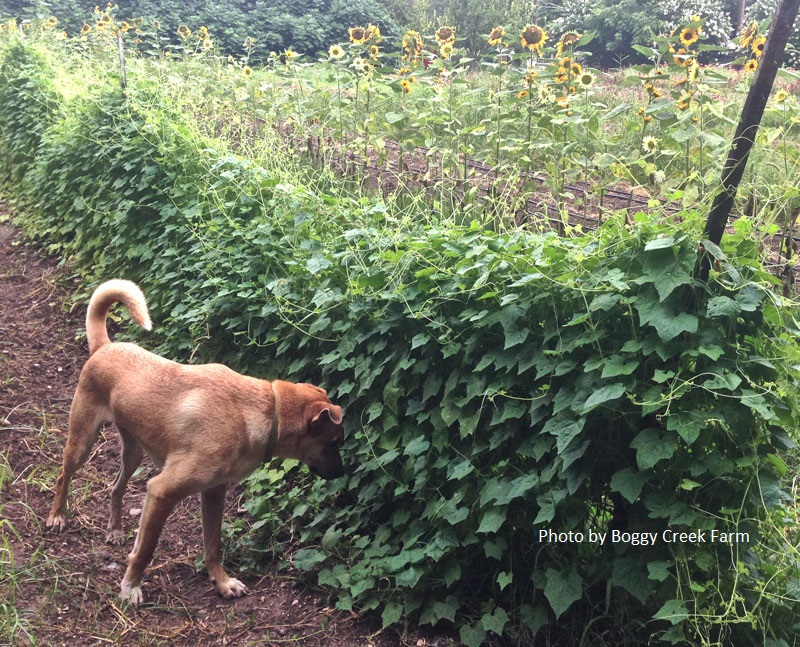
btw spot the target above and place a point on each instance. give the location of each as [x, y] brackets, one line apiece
[213, 506]
[162, 496]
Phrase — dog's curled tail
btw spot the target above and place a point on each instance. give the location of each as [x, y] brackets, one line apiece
[107, 294]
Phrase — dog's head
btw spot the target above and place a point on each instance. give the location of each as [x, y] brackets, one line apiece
[319, 440]
[325, 435]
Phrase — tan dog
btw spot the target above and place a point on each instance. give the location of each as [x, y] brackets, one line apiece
[206, 426]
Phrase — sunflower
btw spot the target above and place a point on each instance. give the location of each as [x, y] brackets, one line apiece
[445, 35]
[85, 29]
[748, 35]
[546, 95]
[335, 52]
[586, 79]
[522, 94]
[533, 38]
[247, 71]
[692, 71]
[208, 44]
[567, 40]
[405, 85]
[681, 57]
[358, 35]
[751, 65]
[649, 145]
[496, 36]
[184, 32]
[758, 46]
[202, 33]
[446, 50]
[684, 102]
[412, 46]
[575, 68]
[689, 35]
[531, 74]
[781, 96]
[373, 33]
[374, 51]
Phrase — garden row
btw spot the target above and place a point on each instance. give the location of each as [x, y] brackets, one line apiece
[510, 397]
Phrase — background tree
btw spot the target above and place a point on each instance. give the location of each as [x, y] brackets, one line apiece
[310, 26]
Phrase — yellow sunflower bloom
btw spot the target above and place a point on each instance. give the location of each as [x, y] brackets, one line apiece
[247, 71]
[681, 57]
[649, 145]
[373, 33]
[693, 71]
[533, 38]
[781, 96]
[412, 46]
[522, 94]
[586, 79]
[690, 35]
[684, 102]
[496, 36]
[567, 40]
[751, 65]
[445, 35]
[335, 52]
[748, 35]
[184, 32]
[358, 35]
[405, 85]
[758, 46]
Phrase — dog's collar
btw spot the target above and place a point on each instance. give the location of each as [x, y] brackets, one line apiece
[272, 436]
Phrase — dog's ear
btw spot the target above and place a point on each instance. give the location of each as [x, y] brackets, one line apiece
[327, 413]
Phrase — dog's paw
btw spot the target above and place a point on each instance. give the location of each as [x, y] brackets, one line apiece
[56, 522]
[233, 588]
[131, 593]
[115, 537]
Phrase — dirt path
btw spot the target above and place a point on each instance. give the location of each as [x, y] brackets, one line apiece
[62, 590]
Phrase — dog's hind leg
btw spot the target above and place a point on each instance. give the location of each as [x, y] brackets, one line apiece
[132, 454]
[85, 419]
[163, 493]
[213, 504]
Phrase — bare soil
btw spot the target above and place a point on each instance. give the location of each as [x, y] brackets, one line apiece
[62, 589]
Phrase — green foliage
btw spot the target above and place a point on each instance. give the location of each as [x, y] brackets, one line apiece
[308, 26]
[500, 388]
[29, 103]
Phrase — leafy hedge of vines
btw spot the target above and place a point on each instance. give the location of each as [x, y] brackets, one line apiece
[495, 384]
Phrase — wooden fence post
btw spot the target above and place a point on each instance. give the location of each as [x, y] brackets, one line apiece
[745, 136]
